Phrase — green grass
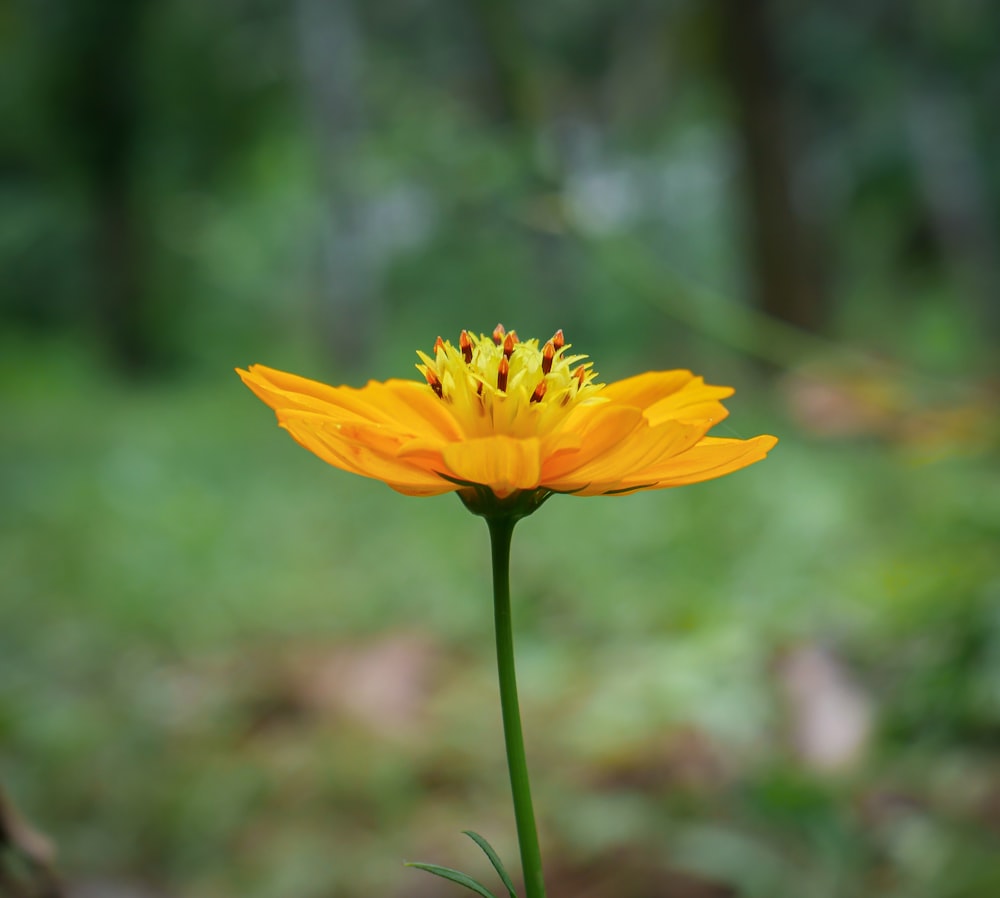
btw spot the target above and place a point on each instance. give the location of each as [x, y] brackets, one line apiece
[227, 669]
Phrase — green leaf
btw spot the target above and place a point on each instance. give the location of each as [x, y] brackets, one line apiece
[454, 876]
[494, 860]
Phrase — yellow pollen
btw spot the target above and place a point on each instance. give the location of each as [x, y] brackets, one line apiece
[500, 384]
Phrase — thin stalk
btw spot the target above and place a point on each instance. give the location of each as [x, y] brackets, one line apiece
[501, 529]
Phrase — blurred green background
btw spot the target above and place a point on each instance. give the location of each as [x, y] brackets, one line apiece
[229, 670]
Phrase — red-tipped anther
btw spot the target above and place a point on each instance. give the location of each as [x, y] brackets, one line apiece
[438, 345]
[539, 391]
[503, 369]
[510, 341]
[435, 384]
[558, 340]
[498, 333]
[581, 375]
[548, 354]
[465, 344]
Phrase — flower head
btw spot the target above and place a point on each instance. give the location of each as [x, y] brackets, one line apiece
[502, 420]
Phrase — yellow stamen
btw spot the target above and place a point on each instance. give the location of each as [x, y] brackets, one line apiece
[548, 354]
[499, 384]
[435, 383]
[503, 370]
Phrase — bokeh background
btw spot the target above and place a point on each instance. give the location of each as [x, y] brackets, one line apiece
[229, 670]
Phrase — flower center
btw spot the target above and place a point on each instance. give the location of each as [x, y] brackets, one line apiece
[499, 384]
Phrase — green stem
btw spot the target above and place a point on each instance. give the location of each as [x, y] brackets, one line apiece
[501, 529]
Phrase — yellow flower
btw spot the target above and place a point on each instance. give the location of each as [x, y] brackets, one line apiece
[500, 418]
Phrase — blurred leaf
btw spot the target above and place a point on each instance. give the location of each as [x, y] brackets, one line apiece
[454, 876]
[494, 860]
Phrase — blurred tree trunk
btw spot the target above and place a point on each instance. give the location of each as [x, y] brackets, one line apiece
[954, 188]
[783, 263]
[513, 99]
[104, 112]
[332, 53]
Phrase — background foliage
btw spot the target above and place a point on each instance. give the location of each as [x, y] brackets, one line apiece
[228, 670]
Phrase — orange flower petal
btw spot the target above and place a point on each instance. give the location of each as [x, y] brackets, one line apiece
[406, 405]
[644, 447]
[503, 463]
[642, 390]
[665, 395]
[361, 449]
[711, 457]
[282, 390]
[697, 401]
[413, 407]
[597, 428]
